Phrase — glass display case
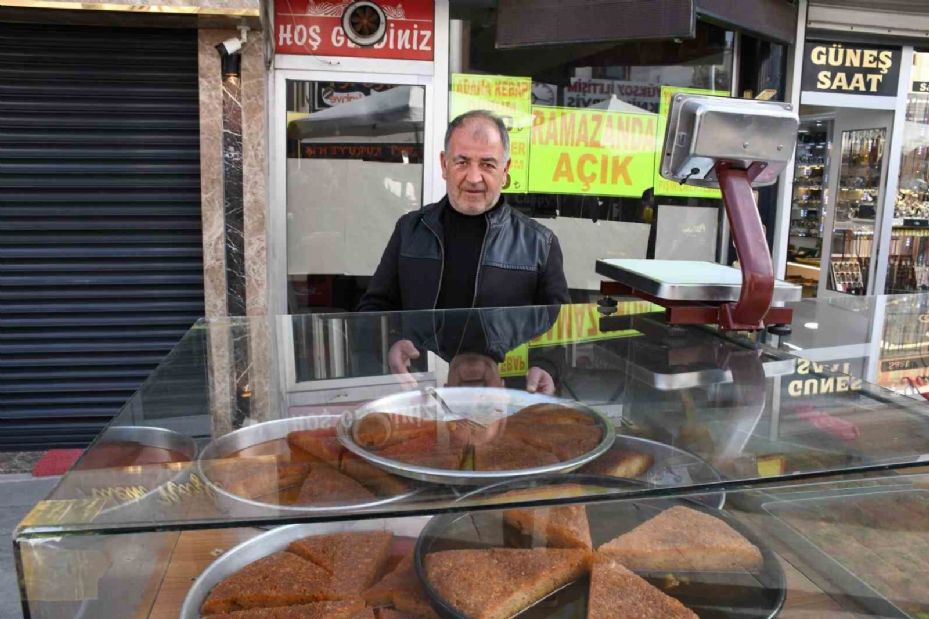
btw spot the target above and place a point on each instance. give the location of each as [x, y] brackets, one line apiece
[470, 461]
[856, 204]
[808, 204]
[908, 269]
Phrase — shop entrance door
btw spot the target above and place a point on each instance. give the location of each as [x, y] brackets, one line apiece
[353, 153]
[857, 180]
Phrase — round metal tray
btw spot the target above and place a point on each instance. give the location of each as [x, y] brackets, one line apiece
[269, 542]
[674, 467]
[481, 403]
[711, 595]
[84, 483]
[269, 431]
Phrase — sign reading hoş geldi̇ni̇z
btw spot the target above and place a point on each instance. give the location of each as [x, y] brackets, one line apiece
[315, 28]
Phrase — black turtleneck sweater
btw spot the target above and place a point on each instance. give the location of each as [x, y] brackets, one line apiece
[464, 236]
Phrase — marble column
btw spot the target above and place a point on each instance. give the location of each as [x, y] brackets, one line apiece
[233, 196]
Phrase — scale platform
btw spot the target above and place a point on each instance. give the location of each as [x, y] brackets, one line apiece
[686, 280]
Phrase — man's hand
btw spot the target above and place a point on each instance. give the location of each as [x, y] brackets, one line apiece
[398, 359]
[540, 381]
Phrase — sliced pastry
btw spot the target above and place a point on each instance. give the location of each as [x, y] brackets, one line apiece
[402, 589]
[620, 463]
[508, 454]
[326, 486]
[355, 560]
[280, 579]
[550, 413]
[566, 441]
[379, 430]
[373, 478]
[345, 609]
[617, 593]
[562, 526]
[497, 583]
[681, 538]
[322, 444]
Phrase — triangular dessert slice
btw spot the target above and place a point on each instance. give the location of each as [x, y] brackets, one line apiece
[326, 486]
[566, 441]
[355, 560]
[563, 526]
[507, 454]
[345, 609]
[379, 481]
[617, 593]
[550, 413]
[499, 582]
[280, 579]
[681, 538]
[379, 430]
[424, 450]
[322, 444]
[402, 588]
[620, 463]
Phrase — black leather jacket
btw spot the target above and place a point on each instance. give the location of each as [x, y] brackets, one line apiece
[521, 263]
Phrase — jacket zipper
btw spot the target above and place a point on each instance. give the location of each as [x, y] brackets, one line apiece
[438, 291]
[480, 259]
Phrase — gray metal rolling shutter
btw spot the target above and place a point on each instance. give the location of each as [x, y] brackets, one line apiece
[101, 268]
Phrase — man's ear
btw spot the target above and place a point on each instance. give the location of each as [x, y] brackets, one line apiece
[506, 168]
[442, 164]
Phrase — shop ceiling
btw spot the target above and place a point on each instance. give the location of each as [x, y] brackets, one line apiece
[905, 19]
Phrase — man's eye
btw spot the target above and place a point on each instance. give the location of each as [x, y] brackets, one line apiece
[489, 166]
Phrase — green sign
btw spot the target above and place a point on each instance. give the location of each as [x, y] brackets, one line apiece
[589, 151]
[508, 97]
[664, 187]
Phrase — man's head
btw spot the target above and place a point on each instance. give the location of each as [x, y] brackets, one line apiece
[475, 161]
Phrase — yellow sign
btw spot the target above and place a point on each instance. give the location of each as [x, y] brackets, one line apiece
[581, 323]
[587, 151]
[511, 99]
[664, 187]
[516, 362]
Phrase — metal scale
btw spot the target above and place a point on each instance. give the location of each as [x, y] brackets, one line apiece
[732, 144]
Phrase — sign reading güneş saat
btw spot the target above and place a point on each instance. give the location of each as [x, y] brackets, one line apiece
[850, 69]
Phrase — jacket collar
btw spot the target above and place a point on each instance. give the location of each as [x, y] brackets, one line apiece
[432, 215]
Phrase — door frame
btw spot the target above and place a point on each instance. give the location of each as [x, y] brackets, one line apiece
[432, 75]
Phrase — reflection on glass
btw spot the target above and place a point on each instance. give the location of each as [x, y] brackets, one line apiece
[354, 166]
[856, 203]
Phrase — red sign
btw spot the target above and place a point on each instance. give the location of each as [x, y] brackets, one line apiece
[315, 28]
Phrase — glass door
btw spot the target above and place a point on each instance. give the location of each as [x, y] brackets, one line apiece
[355, 155]
[856, 185]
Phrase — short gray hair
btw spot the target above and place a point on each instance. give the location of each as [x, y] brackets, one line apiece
[487, 115]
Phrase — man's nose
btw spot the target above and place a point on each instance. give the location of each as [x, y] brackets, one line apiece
[474, 175]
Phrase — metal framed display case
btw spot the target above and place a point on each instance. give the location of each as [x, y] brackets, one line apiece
[789, 461]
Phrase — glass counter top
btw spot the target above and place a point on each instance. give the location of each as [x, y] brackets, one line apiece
[270, 420]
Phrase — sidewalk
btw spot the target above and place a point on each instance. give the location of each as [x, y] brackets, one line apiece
[18, 493]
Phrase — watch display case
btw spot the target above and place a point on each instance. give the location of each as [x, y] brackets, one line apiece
[856, 205]
[810, 196]
[634, 429]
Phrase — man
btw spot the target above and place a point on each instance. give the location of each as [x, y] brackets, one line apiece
[470, 249]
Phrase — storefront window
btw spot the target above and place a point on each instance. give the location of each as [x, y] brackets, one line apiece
[585, 122]
[354, 166]
[908, 267]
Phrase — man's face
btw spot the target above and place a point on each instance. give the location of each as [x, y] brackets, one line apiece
[474, 168]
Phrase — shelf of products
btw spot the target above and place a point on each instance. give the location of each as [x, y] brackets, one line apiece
[908, 267]
[856, 205]
[809, 198]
